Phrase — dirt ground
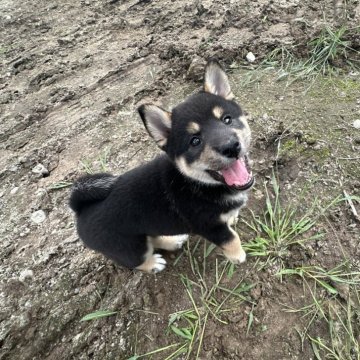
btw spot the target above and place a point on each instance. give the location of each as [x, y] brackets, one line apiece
[72, 74]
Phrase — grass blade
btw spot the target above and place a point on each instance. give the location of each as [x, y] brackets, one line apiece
[98, 315]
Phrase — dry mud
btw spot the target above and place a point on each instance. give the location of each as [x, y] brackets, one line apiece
[72, 74]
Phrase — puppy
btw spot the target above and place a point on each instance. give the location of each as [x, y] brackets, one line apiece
[197, 186]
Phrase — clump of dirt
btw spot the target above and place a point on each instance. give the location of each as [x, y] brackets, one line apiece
[71, 77]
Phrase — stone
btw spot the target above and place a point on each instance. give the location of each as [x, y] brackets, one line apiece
[38, 216]
[40, 169]
[196, 69]
[356, 124]
[14, 190]
[26, 274]
[250, 57]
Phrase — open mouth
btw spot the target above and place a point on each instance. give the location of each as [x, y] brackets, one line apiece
[237, 176]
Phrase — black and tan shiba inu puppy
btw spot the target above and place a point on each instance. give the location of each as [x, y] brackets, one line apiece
[196, 187]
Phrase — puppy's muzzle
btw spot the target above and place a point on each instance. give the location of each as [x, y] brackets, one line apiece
[230, 149]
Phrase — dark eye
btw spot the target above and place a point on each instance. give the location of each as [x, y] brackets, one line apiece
[227, 120]
[195, 141]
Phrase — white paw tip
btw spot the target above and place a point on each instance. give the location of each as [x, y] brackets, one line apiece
[159, 263]
[242, 257]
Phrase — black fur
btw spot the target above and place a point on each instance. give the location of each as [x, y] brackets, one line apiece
[89, 189]
[116, 215]
[153, 199]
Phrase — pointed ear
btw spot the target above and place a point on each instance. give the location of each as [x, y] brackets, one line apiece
[157, 123]
[216, 82]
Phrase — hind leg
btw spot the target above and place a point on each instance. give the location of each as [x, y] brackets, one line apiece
[152, 262]
[170, 243]
[136, 253]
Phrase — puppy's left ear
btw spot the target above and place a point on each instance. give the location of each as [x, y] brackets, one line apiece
[216, 81]
[157, 123]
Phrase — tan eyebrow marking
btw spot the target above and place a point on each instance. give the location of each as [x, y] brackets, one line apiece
[218, 111]
[193, 127]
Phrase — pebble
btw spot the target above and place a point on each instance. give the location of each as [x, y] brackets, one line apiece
[258, 194]
[357, 124]
[196, 69]
[26, 274]
[40, 193]
[14, 190]
[40, 169]
[265, 117]
[13, 168]
[250, 57]
[38, 216]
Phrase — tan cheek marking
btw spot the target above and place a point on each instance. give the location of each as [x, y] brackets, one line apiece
[208, 155]
[244, 120]
[193, 128]
[183, 165]
[218, 111]
[245, 133]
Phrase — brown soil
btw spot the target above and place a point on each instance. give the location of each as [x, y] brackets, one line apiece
[72, 75]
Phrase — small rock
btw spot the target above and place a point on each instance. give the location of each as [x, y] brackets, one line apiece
[14, 190]
[265, 117]
[343, 289]
[310, 141]
[26, 274]
[40, 193]
[38, 216]
[357, 124]
[250, 57]
[40, 169]
[196, 69]
[357, 140]
[22, 159]
[258, 194]
[255, 292]
[13, 168]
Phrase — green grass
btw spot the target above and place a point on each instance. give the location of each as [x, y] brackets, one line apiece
[341, 317]
[98, 315]
[324, 278]
[278, 229]
[344, 332]
[99, 165]
[60, 185]
[210, 299]
[323, 53]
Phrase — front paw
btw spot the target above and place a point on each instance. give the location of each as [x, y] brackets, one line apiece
[236, 258]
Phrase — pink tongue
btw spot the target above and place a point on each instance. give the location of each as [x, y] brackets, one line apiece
[236, 174]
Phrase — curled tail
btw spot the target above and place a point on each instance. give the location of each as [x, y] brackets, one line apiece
[89, 189]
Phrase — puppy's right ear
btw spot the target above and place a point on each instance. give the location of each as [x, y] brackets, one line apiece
[157, 123]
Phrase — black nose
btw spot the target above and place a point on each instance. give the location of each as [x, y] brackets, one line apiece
[231, 149]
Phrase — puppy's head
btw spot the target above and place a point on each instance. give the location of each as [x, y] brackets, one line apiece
[207, 136]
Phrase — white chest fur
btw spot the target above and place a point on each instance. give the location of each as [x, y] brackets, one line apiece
[231, 216]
